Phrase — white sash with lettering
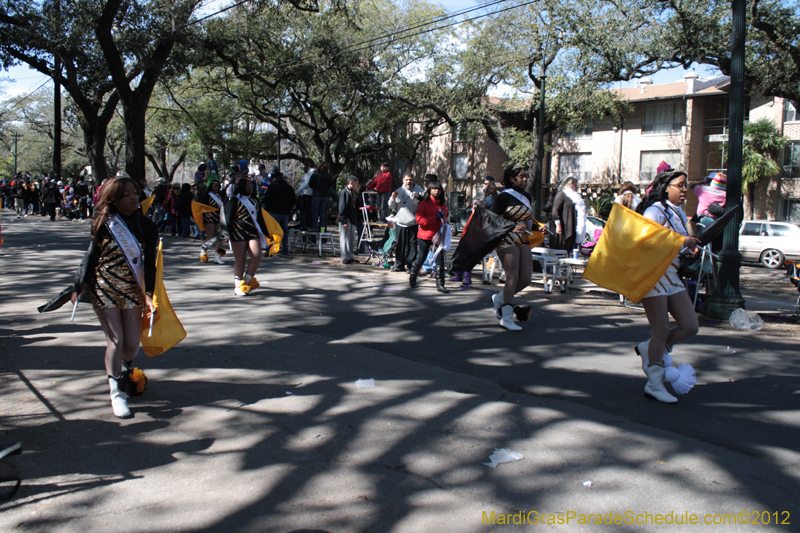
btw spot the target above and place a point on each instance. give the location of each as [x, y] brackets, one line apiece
[524, 201]
[129, 246]
[216, 199]
[254, 214]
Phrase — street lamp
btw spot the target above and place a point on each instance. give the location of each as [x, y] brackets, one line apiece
[727, 296]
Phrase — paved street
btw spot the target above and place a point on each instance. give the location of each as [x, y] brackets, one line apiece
[254, 423]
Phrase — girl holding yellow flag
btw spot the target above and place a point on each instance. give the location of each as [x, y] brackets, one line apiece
[211, 223]
[120, 278]
[247, 230]
[669, 296]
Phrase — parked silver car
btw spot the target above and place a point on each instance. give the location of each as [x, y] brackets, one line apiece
[769, 242]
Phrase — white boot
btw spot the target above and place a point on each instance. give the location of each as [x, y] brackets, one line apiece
[119, 400]
[240, 288]
[507, 320]
[655, 384]
[497, 302]
[641, 351]
[218, 259]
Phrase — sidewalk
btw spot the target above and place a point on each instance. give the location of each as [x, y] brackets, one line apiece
[254, 422]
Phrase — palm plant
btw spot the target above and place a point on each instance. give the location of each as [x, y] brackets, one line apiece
[762, 144]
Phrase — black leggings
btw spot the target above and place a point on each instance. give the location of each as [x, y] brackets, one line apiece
[423, 247]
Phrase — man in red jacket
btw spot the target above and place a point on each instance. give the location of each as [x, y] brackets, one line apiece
[382, 183]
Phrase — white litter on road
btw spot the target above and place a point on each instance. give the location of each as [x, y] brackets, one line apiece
[502, 455]
[365, 383]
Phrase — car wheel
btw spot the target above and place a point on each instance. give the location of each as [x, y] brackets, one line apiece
[772, 258]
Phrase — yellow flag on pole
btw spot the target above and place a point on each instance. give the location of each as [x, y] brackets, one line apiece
[197, 213]
[274, 233]
[535, 237]
[632, 254]
[146, 203]
[167, 329]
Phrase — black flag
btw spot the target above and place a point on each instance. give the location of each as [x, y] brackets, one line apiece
[484, 231]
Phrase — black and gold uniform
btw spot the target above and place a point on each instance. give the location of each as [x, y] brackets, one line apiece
[240, 225]
[112, 283]
[212, 217]
[508, 207]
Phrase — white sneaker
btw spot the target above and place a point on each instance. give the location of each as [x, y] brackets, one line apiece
[218, 259]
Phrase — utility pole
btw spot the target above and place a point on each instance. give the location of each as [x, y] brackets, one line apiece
[538, 180]
[16, 137]
[57, 104]
[727, 296]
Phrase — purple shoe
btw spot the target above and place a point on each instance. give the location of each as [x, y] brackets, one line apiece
[467, 278]
[456, 276]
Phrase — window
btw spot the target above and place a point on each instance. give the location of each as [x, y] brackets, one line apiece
[664, 118]
[578, 166]
[791, 160]
[789, 112]
[792, 211]
[461, 133]
[751, 229]
[461, 166]
[779, 230]
[649, 161]
[583, 133]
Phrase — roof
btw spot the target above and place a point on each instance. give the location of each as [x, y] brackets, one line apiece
[683, 88]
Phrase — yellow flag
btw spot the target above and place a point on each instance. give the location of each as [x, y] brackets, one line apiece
[274, 233]
[197, 213]
[146, 203]
[167, 329]
[632, 254]
[536, 237]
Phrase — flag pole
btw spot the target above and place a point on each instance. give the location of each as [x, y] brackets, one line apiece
[74, 308]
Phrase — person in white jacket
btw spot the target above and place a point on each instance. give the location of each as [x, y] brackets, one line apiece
[405, 201]
[304, 195]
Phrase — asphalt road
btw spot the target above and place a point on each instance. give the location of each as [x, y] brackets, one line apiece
[218, 443]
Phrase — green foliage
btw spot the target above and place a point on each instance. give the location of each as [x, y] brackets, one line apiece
[602, 204]
[6, 167]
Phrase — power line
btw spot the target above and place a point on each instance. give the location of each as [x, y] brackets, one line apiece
[354, 48]
[31, 93]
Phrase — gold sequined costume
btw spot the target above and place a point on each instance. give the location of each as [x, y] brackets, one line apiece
[114, 284]
[512, 209]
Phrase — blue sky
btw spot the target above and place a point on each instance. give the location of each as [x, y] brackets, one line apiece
[24, 80]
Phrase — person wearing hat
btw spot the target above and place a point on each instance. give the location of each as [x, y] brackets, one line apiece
[488, 194]
[246, 228]
[714, 192]
[279, 200]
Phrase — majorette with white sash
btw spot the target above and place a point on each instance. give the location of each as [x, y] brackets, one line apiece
[245, 201]
[129, 245]
[524, 201]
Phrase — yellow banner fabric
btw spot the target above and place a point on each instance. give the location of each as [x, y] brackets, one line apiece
[632, 254]
[274, 233]
[146, 203]
[167, 329]
[197, 213]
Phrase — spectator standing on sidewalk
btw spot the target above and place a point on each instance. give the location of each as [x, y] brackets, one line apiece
[279, 199]
[348, 217]
[431, 214]
[305, 195]
[320, 183]
[405, 200]
[382, 184]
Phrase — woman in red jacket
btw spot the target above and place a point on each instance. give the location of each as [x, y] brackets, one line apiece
[431, 214]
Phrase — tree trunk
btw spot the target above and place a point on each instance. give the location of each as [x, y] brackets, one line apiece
[135, 152]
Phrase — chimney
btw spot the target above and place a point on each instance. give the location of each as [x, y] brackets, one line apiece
[644, 82]
[690, 78]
